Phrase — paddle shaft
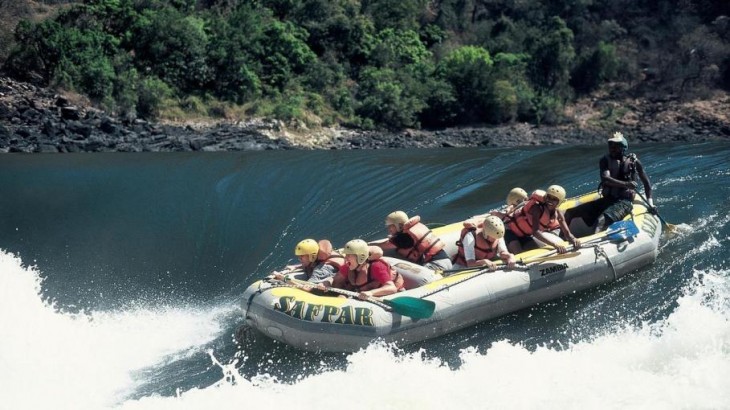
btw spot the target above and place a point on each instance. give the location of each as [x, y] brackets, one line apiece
[667, 225]
[605, 236]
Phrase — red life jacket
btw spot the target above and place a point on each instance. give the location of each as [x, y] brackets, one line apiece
[361, 279]
[521, 223]
[483, 248]
[425, 243]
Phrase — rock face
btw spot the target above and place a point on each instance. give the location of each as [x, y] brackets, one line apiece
[34, 119]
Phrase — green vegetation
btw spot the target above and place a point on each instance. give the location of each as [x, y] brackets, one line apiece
[370, 63]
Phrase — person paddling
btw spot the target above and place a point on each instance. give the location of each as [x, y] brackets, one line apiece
[515, 199]
[369, 277]
[414, 241]
[540, 219]
[317, 259]
[480, 244]
[618, 172]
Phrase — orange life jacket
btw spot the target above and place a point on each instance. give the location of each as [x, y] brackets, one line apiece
[425, 243]
[483, 248]
[521, 223]
[361, 280]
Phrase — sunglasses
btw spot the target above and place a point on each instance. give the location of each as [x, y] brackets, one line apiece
[550, 198]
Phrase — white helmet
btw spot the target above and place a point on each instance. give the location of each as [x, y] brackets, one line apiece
[396, 218]
[494, 227]
[516, 195]
[359, 248]
[557, 191]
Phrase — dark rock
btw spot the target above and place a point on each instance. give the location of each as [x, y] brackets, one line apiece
[79, 128]
[47, 148]
[70, 113]
[49, 128]
[108, 126]
[24, 132]
[62, 101]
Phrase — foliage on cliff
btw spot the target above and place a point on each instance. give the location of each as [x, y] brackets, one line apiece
[371, 63]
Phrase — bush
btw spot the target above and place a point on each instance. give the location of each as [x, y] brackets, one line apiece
[469, 72]
[598, 67]
[502, 105]
[386, 99]
[152, 93]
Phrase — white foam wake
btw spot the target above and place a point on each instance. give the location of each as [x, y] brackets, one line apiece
[50, 359]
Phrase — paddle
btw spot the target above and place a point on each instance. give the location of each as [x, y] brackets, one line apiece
[403, 305]
[617, 231]
[667, 226]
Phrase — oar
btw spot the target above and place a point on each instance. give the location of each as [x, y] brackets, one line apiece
[667, 226]
[403, 305]
[617, 231]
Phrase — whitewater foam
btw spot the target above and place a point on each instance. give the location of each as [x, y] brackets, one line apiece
[52, 359]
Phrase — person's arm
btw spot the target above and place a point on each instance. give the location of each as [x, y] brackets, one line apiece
[565, 229]
[610, 181]
[469, 243]
[384, 244]
[387, 288]
[508, 258]
[379, 273]
[323, 272]
[535, 214]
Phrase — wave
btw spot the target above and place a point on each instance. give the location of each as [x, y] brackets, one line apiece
[55, 359]
[92, 360]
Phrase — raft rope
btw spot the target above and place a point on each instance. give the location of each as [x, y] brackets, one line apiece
[275, 283]
[445, 287]
[258, 292]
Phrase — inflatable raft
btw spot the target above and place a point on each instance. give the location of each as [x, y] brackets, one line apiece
[288, 313]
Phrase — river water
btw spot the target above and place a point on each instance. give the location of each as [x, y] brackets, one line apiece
[121, 276]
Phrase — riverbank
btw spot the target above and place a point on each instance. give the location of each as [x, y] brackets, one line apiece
[34, 119]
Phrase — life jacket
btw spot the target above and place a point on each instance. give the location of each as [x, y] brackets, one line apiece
[521, 222]
[360, 279]
[483, 248]
[623, 170]
[425, 243]
[327, 256]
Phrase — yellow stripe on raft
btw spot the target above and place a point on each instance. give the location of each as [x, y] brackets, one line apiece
[307, 297]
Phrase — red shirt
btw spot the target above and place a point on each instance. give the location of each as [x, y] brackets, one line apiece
[378, 271]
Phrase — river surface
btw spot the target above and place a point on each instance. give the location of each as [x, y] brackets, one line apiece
[121, 276]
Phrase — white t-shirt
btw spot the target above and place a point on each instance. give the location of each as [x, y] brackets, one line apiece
[469, 241]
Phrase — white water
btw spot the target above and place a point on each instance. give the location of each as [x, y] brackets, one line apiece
[50, 359]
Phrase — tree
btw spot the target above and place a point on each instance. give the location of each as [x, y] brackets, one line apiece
[552, 59]
[386, 99]
[173, 46]
[599, 66]
[469, 71]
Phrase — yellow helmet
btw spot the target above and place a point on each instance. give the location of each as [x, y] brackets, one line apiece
[359, 248]
[307, 247]
[494, 227]
[516, 195]
[557, 191]
[396, 218]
